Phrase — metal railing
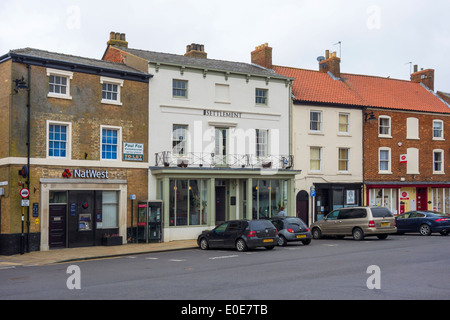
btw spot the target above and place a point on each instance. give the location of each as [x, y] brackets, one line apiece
[202, 159]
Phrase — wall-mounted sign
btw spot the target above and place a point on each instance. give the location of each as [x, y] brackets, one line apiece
[224, 114]
[90, 174]
[133, 151]
[403, 158]
[24, 193]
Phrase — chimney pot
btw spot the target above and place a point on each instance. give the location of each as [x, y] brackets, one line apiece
[117, 39]
[262, 56]
[415, 67]
[196, 51]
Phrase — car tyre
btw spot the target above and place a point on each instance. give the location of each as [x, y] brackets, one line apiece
[317, 234]
[306, 242]
[270, 247]
[358, 234]
[382, 236]
[282, 241]
[444, 232]
[241, 246]
[425, 230]
[204, 245]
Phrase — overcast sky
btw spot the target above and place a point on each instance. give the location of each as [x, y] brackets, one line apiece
[377, 37]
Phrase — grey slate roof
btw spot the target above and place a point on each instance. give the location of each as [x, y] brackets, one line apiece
[76, 60]
[210, 64]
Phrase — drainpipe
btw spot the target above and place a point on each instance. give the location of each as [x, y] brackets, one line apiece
[28, 150]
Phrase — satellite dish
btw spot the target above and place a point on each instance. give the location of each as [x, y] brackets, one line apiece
[321, 58]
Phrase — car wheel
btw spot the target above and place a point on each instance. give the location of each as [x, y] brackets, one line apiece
[444, 233]
[241, 246]
[425, 230]
[316, 233]
[382, 236]
[204, 244]
[358, 234]
[270, 247]
[306, 242]
[282, 241]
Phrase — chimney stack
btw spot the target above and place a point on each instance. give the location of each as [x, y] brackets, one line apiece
[117, 39]
[423, 76]
[195, 50]
[331, 64]
[262, 56]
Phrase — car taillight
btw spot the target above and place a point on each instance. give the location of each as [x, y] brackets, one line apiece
[371, 224]
[441, 219]
[276, 232]
[307, 229]
[251, 234]
[290, 230]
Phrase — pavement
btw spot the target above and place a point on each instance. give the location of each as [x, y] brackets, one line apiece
[40, 258]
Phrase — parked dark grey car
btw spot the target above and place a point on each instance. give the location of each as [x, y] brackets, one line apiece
[291, 229]
[240, 234]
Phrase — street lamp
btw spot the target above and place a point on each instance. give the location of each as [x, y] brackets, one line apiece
[22, 84]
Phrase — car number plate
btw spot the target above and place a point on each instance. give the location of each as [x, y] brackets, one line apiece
[385, 224]
[301, 236]
[268, 240]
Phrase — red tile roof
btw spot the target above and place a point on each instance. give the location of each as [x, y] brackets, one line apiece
[361, 90]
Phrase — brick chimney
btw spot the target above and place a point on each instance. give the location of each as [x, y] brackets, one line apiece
[331, 64]
[423, 76]
[195, 50]
[117, 39]
[262, 56]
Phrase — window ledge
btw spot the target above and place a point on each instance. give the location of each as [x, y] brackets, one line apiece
[116, 103]
[59, 96]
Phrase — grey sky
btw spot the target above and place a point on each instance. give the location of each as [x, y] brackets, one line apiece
[378, 37]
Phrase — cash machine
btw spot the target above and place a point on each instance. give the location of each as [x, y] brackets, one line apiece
[149, 221]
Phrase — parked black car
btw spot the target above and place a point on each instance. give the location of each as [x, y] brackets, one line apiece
[424, 222]
[240, 234]
[291, 229]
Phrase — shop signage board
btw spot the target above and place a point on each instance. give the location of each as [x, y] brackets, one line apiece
[133, 151]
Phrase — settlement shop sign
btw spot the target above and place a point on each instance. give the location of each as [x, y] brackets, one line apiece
[133, 151]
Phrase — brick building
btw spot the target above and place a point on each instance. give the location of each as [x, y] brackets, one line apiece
[79, 126]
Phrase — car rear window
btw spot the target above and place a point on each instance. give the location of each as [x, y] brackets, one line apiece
[295, 221]
[381, 212]
[260, 224]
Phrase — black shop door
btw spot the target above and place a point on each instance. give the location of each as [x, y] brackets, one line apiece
[57, 226]
[81, 224]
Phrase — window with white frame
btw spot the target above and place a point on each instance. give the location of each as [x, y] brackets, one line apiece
[110, 143]
[59, 83]
[438, 130]
[412, 128]
[384, 126]
[58, 140]
[111, 90]
[384, 160]
[343, 160]
[315, 158]
[412, 166]
[179, 139]
[343, 127]
[315, 121]
[262, 138]
[438, 161]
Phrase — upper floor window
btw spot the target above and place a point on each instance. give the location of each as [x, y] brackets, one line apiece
[343, 127]
[262, 137]
[384, 126]
[179, 139]
[261, 96]
[315, 158]
[111, 90]
[179, 88]
[59, 83]
[58, 139]
[315, 121]
[438, 130]
[384, 160]
[438, 161]
[110, 143]
[343, 160]
[412, 128]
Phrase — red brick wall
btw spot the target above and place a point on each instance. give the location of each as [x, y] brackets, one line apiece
[114, 55]
[425, 145]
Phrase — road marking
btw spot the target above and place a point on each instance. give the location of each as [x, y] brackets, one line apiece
[177, 260]
[224, 257]
[152, 258]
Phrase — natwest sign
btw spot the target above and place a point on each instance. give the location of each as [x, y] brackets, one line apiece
[86, 174]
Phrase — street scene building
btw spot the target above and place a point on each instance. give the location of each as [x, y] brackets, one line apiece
[218, 138]
[74, 136]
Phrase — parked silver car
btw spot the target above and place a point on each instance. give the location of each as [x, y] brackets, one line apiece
[358, 222]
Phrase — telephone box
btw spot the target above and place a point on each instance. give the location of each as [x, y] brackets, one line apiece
[150, 221]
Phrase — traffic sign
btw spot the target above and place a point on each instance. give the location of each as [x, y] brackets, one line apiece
[24, 193]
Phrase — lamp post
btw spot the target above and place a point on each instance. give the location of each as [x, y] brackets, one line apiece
[21, 84]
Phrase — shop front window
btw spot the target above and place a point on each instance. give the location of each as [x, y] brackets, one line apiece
[268, 196]
[188, 202]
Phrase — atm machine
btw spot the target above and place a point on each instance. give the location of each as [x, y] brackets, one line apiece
[150, 221]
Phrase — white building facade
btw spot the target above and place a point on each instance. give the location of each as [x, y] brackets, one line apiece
[219, 134]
